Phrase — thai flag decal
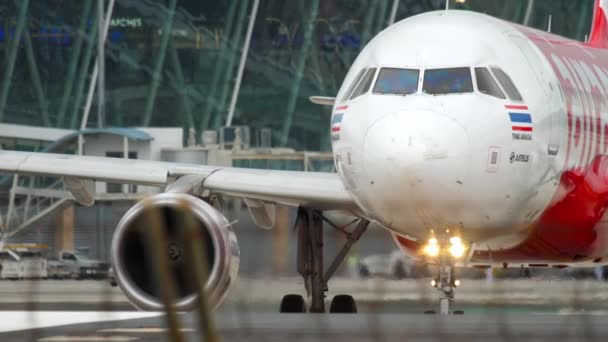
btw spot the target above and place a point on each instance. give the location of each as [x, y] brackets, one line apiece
[336, 122]
[521, 120]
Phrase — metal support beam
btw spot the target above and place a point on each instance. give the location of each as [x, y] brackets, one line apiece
[35, 74]
[85, 66]
[351, 239]
[219, 65]
[235, 43]
[160, 61]
[393, 16]
[94, 77]
[239, 74]
[101, 65]
[295, 90]
[12, 57]
[74, 57]
[180, 86]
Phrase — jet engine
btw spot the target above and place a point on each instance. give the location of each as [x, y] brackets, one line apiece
[179, 219]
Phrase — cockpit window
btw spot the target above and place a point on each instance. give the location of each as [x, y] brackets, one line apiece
[487, 84]
[354, 84]
[397, 81]
[365, 83]
[448, 81]
[507, 84]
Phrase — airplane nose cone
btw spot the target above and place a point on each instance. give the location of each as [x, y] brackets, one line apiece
[415, 157]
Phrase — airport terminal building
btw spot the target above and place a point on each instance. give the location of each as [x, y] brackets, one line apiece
[187, 80]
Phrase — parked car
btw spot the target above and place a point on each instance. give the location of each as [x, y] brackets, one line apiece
[76, 266]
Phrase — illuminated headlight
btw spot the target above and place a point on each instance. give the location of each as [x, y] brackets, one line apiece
[457, 248]
[456, 283]
[432, 248]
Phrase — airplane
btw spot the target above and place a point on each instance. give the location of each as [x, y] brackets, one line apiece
[474, 141]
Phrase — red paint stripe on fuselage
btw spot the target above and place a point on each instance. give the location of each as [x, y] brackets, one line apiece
[516, 107]
[341, 108]
[522, 129]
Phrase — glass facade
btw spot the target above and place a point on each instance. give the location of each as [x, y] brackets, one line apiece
[175, 63]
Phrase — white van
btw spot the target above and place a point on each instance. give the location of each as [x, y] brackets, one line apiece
[22, 264]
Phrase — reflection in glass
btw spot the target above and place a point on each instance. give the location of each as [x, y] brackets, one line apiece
[486, 83]
[397, 81]
[507, 84]
[448, 81]
[365, 84]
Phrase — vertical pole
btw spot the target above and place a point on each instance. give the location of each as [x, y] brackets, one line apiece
[125, 155]
[94, 77]
[101, 66]
[219, 64]
[11, 202]
[180, 84]
[529, 11]
[158, 67]
[393, 16]
[304, 52]
[239, 74]
[74, 57]
[229, 66]
[85, 66]
[31, 61]
[12, 57]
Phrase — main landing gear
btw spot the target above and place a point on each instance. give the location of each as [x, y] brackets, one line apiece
[445, 282]
[309, 224]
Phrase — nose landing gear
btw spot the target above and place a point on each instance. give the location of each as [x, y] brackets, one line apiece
[445, 282]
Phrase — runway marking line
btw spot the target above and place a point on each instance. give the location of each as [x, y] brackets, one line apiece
[90, 338]
[151, 330]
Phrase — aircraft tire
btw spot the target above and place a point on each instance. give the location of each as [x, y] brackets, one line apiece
[343, 304]
[293, 303]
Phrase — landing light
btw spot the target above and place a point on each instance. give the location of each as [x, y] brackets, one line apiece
[432, 248]
[456, 283]
[457, 248]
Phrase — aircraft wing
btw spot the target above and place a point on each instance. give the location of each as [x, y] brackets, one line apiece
[312, 189]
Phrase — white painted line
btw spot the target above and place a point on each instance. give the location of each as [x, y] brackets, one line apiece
[151, 330]
[91, 338]
[22, 320]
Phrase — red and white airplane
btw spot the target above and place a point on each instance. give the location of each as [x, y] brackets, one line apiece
[473, 141]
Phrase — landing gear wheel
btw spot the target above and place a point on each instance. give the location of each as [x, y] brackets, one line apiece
[343, 304]
[293, 303]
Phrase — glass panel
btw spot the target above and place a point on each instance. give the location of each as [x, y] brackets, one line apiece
[397, 81]
[353, 85]
[448, 81]
[486, 83]
[365, 84]
[507, 84]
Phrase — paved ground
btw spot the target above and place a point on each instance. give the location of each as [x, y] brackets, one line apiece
[391, 310]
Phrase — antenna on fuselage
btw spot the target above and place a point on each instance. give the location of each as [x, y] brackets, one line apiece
[550, 23]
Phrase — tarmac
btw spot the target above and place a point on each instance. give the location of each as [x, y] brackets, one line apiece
[536, 310]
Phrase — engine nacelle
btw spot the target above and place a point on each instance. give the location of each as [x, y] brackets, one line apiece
[133, 263]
